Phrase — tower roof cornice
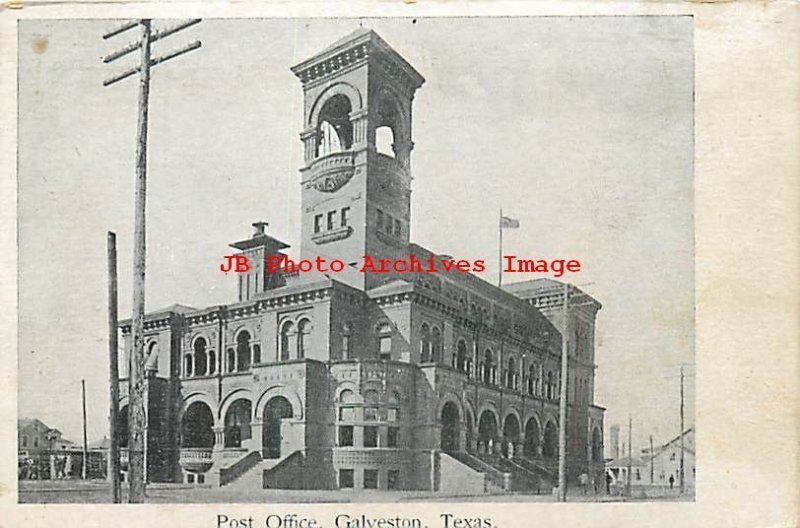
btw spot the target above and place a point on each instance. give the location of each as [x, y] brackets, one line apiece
[355, 48]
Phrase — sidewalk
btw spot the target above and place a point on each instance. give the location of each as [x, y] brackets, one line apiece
[98, 491]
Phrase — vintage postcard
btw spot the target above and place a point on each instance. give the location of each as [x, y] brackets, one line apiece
[396, 265]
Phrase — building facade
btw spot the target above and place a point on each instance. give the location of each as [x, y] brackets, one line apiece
[416, 380]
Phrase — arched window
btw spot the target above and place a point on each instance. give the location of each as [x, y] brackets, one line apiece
[347, 341]
[212, 362]
[188, 366]
[385, 341]
[461, 356]
[334, 129]
[488, 366]
[371, 397]
[436, 345]
[200, 357]
[388, 120]
[347, 396]
[384, 140]
[425, 344]
[533, 374]
[511, 374]
[152, 357]
[287, 336]
[243, 351]
[303, 337]
[551, 385]
[230, 359]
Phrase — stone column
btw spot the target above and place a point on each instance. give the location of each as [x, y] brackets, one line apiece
[360, 122]
[462, 437]
[256, 436]
[219, 437]
[498, 446]
[309, 139]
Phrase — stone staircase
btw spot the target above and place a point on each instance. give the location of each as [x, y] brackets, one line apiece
[497, 480]
[253, 478]
[504, 474]
[548, 476]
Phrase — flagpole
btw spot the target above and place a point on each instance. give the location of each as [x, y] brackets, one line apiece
[500, 252]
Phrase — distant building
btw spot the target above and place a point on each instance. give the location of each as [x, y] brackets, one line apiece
[34, 437]
[656, 468]
[618, 468]
[666, 461]
[41, 450]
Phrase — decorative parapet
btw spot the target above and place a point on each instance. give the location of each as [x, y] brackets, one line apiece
[196, 459]
[331, 172]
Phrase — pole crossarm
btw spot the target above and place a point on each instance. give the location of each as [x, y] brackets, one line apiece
[156, 36]
[153, 62]
[121, 29]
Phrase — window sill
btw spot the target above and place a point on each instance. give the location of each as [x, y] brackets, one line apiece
[333, 235]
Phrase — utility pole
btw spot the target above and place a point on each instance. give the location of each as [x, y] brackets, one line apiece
[113, 369]
[681, 433]
[562, 403]
[652, 457]
[630, 455]
[137, 384]
[85, 442]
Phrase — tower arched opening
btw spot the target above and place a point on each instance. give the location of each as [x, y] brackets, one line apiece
[334, 129]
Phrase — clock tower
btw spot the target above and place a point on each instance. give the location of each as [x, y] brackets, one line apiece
[356, 178]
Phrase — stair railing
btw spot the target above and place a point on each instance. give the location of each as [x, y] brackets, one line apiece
[239, 468]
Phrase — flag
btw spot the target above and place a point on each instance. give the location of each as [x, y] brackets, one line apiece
[508, 223]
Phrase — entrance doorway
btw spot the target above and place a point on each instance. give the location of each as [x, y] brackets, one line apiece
[450, 422]
[276, 410]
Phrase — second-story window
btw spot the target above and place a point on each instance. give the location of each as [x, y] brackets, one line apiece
[385, 341]
[347, 341]
[303, 337]
[345, 219]
[287, 336]
[331, 220]
[243, 351]
[461, 357]
[230, 360]
[488, 366]
[551, 386]
[188, 366]
[425, 344]
[200, 357]
[317, 223]
[436, 345]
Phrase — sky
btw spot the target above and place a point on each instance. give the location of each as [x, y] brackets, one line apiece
[580, 127]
